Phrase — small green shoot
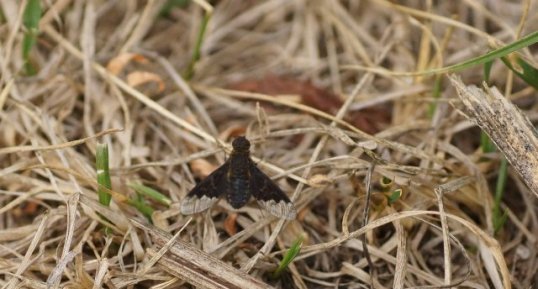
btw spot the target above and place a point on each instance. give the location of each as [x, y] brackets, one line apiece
[291, 253]
[395, 196]
[103, 175]
[141, 206]
[31, 17]
[198, 47]
[105, 185]
[486, 144]
[499, 217]
[150, 193]
[385, 183]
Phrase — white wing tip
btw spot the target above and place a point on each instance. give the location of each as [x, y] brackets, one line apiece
[193, 205]
[281, 209]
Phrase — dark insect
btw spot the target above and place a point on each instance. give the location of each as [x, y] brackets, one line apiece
[238, 179]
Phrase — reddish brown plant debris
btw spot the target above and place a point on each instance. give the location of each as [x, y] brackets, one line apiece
[369, 120]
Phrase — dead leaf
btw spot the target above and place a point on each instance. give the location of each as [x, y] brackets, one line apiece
[116, 64]
[369, 120]
[230, 224]
[141, 77]
[280, 85]
[372, 119]
[202, 168]
[30, 208]
[319, 180]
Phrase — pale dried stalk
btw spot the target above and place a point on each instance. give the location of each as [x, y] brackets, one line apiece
[30, 148]
[439, 192]
[401, 257]
[197, 267]
[507, 127]
[152, 104]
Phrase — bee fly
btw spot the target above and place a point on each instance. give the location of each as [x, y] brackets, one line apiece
[238, 179]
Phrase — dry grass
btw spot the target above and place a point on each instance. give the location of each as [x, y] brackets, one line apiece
[369, 117]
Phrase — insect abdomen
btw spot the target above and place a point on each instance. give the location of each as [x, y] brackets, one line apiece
[239, 194]
[239, 177]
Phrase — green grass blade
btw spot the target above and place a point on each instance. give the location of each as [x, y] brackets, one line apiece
[499, 218]
[522, 69]
[487, 70]
[436, 93]
[30, 19]
[291, 253]
[486, 144]
[28, 42]
[490, 56]
[103, 174]
[150, 193]
[139, 204]
[32, 14]
[198, 47]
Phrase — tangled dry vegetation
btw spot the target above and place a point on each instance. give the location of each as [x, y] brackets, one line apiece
[319, 88]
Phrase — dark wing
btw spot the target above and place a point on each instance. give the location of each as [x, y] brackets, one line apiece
[206, 193]
[269, 195]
